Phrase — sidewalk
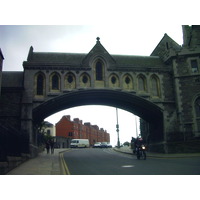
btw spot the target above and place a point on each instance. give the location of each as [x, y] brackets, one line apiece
[43, 164]
[128, 150]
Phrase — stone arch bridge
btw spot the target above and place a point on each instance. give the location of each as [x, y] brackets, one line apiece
[162, 89]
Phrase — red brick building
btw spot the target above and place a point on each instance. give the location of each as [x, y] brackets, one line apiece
[67, 130]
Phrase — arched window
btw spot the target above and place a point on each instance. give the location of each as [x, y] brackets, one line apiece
[142, 83]
[155, 86]
[55, 81]
[114, 81]
[85, 80]
[127, 82]
[70, 81]
[70, 78]
[40, 85]
[99, 71]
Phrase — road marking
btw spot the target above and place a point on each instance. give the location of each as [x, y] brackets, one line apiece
[126, 166]
[64, 167]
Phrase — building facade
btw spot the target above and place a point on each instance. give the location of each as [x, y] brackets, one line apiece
[49, 129]
[67, 129]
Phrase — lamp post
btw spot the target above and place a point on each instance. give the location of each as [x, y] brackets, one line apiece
[117, 129]
[136, 127]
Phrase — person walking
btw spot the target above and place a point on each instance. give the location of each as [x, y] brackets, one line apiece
[47, 146]
[52, 146]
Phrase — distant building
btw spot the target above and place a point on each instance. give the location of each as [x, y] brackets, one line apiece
[66, 130]
[50, 129]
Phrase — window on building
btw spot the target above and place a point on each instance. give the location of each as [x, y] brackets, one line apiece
[167, 45]
[40, 85]
[127, 80]
[155, 87]
[194, 66]
[113, 79]
[85, 79]
[70, 134]
[48, 132]
[99, 71]
[55, 82]
[141, 83]
[70, 78]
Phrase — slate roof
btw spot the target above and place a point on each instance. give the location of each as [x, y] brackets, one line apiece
[139, 61]
[68, 58]
[82, 59]
[75, 59]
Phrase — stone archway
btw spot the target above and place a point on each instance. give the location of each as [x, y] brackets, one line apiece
[124, 100]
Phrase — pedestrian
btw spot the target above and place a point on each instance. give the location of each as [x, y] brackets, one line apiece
[52, 146]
[47, 146]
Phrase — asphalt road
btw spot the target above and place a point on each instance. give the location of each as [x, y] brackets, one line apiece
[108, 162]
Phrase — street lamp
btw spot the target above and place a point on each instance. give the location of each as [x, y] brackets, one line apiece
[136, 127]
[117, 129]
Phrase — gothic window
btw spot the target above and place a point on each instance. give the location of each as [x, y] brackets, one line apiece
[70, 78]
[155, 86]
[40, 85]
[85, 80]
[142, 83]
[55, 81]
[99, 71]
[127, 80]
[113, 79]
[70, 81]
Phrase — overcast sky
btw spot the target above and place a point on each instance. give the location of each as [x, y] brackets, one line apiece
[15, 42]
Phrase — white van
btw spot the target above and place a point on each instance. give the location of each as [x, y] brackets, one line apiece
[76, 143]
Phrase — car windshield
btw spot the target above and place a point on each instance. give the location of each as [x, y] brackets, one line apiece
[74, 141]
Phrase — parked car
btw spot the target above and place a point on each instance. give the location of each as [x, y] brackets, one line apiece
[104, 145]
[97, 145]
[109, 146]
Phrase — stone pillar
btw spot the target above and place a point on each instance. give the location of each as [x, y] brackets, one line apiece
[27, 128]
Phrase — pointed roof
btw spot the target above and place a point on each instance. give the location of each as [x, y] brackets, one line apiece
[98, 51]
[166, 48]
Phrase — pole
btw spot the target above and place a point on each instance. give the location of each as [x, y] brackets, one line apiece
[136, 127]
[117, 129]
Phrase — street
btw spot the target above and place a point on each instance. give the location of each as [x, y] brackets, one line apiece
[109, 162]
